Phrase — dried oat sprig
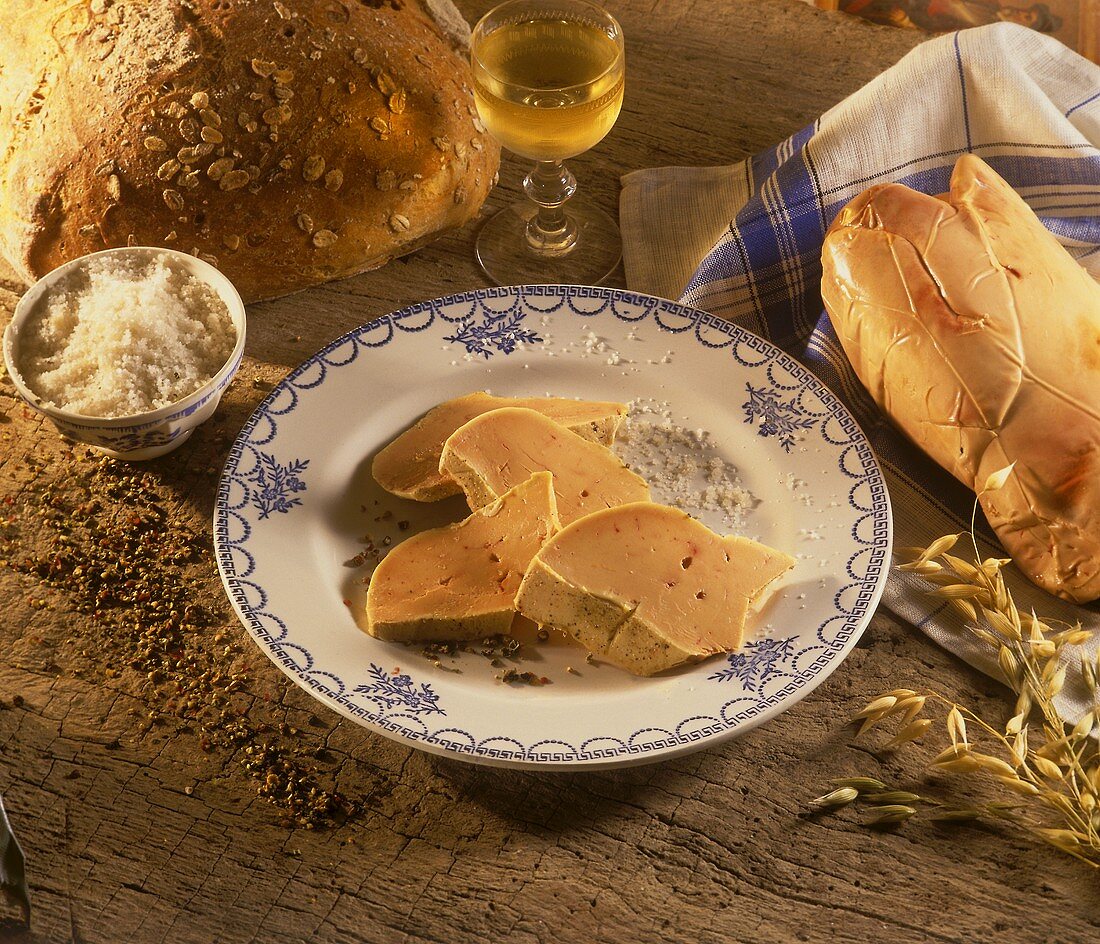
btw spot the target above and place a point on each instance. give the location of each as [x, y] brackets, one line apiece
[1046, 771]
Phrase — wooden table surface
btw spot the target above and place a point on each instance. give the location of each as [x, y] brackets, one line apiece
[143, 820]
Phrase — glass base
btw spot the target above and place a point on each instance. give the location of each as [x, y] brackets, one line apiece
[508, 259]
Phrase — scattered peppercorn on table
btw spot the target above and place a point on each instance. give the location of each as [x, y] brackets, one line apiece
[168, 784]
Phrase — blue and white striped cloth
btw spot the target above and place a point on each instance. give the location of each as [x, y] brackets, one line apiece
[744, 240]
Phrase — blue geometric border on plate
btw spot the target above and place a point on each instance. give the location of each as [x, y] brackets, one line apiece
[492, 329]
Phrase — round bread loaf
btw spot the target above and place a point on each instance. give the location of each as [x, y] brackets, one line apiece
[288, 142]
[979, 335]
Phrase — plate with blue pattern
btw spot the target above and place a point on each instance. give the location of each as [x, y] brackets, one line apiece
[299, 519]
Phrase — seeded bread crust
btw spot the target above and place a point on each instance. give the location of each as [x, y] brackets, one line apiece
[288, 142]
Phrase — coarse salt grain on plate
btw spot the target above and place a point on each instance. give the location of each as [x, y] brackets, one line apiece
[683, 466]
[125, 336]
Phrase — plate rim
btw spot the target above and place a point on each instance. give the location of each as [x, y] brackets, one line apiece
[633, 755]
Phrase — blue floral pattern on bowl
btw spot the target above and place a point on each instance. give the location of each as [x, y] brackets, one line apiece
[778, 417]
[399, 691]
[494, 333]
[757, 663]
[276, 484]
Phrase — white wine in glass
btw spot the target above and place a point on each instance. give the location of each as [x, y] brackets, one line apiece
[548, 83]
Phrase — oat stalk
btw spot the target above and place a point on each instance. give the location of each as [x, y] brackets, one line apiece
[1043, 772]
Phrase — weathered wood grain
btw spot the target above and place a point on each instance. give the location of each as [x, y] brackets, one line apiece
[134, 833]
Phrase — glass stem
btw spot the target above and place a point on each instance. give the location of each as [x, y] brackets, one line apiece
[551, 231]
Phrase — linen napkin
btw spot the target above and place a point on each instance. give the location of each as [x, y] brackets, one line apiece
[744, 241]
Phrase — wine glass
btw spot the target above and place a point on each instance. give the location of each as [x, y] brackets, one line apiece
[548, 83]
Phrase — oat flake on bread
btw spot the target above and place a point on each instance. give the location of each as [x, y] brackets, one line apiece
[280, 141]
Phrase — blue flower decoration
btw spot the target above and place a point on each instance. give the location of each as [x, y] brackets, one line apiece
[757, 664]
[274, 482]
[399, 691]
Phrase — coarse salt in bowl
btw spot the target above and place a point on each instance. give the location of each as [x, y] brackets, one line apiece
[138, 435]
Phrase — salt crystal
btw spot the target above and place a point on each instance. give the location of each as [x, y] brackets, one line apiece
[683, 466]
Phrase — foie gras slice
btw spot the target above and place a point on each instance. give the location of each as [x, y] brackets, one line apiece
[647, 587]
[497, 450]
[409, 465]
[460, 581]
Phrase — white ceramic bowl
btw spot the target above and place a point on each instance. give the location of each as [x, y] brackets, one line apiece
[142, 435]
